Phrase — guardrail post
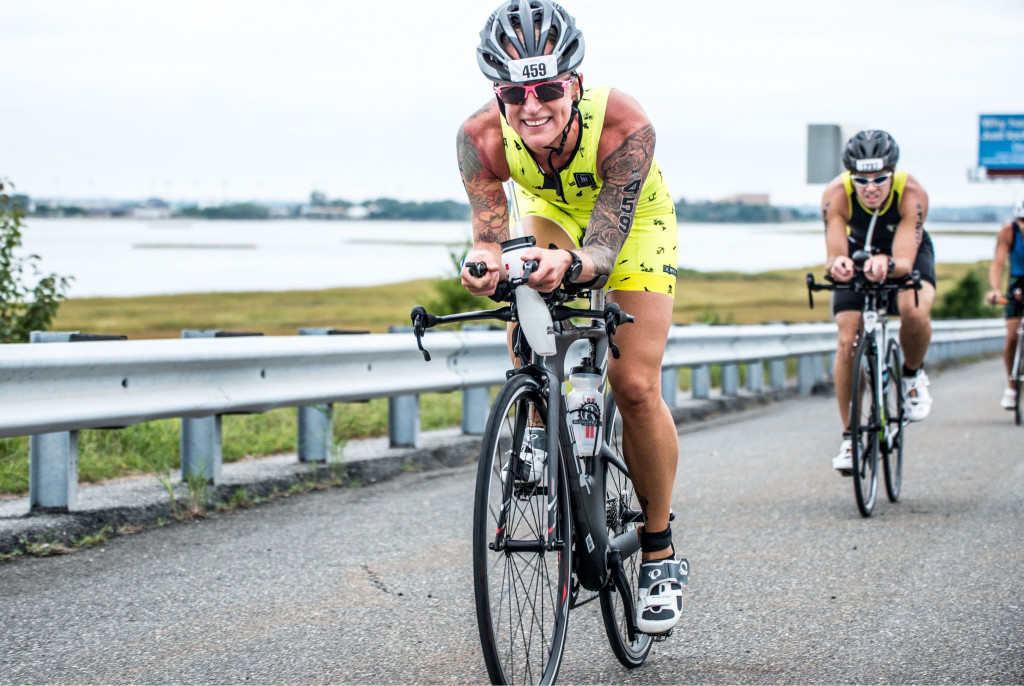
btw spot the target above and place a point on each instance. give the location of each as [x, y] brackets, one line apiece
[755, 376]
[700, 381]
[201, 437]
[316, 422]
[403, 413]
[730, 379]
[777, 374]
[670, 385]
[53, 457]
[476, 401]
[805, 374]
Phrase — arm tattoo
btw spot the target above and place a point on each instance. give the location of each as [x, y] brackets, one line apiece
[623, 171]
[486, 196]
[824, 214]
[919, 226]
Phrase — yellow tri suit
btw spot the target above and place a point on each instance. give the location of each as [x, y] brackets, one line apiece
[648, 259]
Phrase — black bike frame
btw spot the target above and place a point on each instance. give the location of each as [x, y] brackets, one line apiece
[595, 552]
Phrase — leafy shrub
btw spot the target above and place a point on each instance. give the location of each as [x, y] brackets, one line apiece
[23, 308]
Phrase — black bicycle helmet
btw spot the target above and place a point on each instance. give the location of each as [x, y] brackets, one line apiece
[870, 151]
[526, 27]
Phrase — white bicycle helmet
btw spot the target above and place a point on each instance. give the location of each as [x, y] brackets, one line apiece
[514, 39]
[1018, 209]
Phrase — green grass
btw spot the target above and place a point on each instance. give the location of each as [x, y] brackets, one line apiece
[153, 448]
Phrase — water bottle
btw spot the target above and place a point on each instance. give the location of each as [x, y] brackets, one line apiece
[534, 316]
[584, 404]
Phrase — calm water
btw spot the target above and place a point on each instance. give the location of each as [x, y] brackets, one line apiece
[124, 257]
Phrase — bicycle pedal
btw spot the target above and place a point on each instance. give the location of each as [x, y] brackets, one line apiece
[658, 638]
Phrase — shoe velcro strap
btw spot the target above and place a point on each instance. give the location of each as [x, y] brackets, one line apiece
[664, 571]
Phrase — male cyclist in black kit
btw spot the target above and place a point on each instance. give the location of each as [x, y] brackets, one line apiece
[899, 245]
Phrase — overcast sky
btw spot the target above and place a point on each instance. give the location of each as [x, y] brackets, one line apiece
[234, 100]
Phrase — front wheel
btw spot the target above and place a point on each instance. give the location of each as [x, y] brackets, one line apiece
[864, 427]
[624, 516]
[1018, 362]
[895, 421]
[521, 583]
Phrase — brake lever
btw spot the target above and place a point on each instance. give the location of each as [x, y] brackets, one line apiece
[529, 267]
[810, 289]
[421, 321]
[476, 269]
[613, 317]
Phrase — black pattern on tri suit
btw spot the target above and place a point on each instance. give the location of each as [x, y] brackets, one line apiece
[881, 243]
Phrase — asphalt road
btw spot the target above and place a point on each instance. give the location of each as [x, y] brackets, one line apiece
[372, 585]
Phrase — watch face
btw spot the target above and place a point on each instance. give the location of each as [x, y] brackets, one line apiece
[575, 267]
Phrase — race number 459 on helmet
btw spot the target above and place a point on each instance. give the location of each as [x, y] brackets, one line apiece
[869, 151]
[514, 41]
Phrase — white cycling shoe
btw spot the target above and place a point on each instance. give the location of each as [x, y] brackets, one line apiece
[843, 462]
[1009, 399]
[916, 399]
[529, 466]
[660, 595]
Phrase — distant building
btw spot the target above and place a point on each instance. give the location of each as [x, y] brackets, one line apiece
[324, 212]
[747, 199]
[154, 208]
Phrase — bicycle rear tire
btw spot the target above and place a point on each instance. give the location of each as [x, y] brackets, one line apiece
[895, 422]
[864, 427]
[522, 594]
[623, 515]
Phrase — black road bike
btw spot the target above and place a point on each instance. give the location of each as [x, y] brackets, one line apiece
[545, 545]
[877, 417]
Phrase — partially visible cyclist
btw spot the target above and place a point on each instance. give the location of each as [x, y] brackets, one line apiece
[899, 245]
[1009, 243]
[588, 184]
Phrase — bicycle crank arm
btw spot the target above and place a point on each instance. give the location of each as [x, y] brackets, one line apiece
[625, 545]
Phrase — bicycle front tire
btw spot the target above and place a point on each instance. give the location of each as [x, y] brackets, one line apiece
[895, 422]
[864, 426]
[521, 587]
[1018, 362]
[623, 516]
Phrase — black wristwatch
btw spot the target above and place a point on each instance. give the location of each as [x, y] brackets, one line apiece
[575, 268]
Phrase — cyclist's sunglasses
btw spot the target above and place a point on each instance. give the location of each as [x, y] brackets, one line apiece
[545, 91]
[864, 181]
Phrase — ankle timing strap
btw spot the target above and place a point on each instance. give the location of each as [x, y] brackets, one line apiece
[656, 541]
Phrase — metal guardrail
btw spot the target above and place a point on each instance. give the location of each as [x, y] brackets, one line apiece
[51, 391]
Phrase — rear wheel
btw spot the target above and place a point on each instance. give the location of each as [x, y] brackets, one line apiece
[895, 421]
[624, 516]
[864, 427]
[521, 586]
